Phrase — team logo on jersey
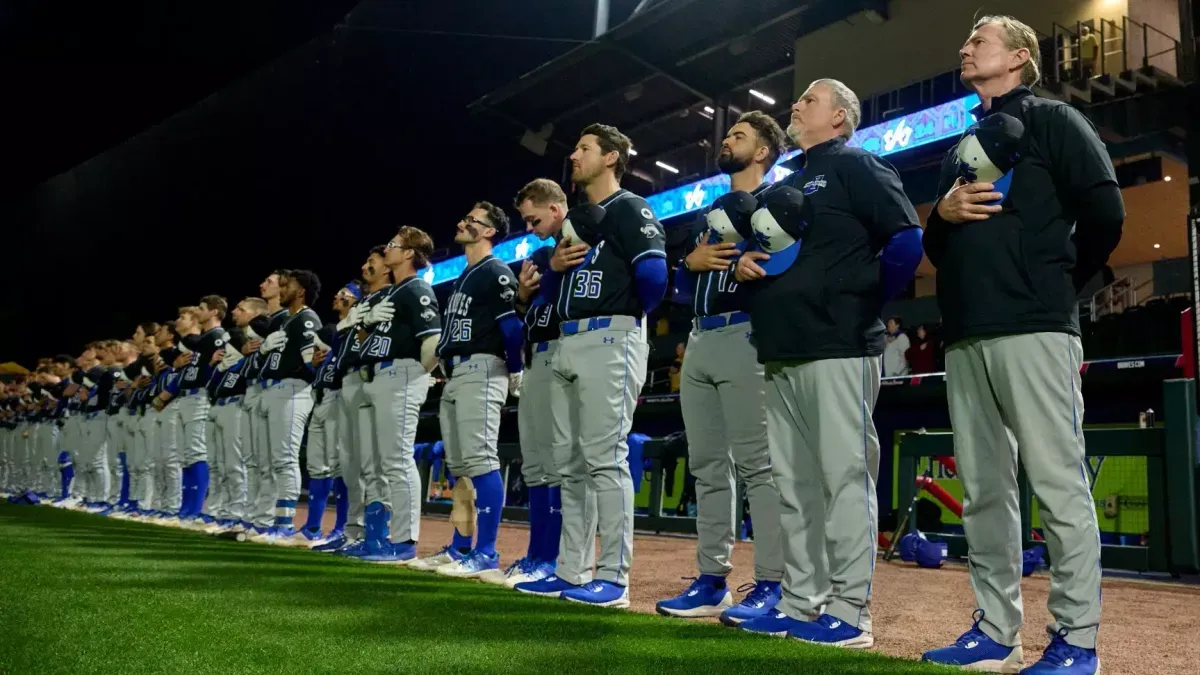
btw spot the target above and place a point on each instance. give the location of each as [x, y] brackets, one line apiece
[220, 342]
[507, 294]
[647, 213]
[504, 280]
[308, 324]
[428, 314]
[815, 184]
[425, 301]
[650, 230]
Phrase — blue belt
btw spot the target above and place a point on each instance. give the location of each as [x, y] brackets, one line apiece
[594, 323]
[383, 365]
[92, 415]
[721, 320]
[192, 392]
[267, 384]
[541, 347]
[229, 399]
[456, 360]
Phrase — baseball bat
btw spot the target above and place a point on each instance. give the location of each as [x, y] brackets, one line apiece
[890, 553]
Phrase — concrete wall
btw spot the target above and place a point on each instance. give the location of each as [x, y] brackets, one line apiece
[921, 39]
[1161, 15]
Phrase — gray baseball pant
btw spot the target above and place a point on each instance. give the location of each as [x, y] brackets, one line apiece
[470, 415]
[229, 484]
[141, 465]
[115, 436]
[324, 460]
[6, 435]
[169, 480]
[599, 374]
[723, 396]
[215, 503]
[99, 478]
[540, 455]
[1018, 397]
[258, 496]
[825, 458]
[351, 427]
[287, 405]
[393, 407]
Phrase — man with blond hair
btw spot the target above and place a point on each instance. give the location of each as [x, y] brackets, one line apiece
[1029, 212]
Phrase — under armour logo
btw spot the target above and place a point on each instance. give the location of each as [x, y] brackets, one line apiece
[554, 510]
[609, 340]
[485, 509]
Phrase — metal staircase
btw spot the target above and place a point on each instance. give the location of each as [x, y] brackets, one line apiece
[1120, 295]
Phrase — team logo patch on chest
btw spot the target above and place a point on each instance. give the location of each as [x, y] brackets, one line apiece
[815, 184]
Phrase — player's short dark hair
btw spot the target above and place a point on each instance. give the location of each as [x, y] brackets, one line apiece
[218, 303]
[540, 192]
[255, 304]
[311, 284]
[282, 273]
[611, 139]
[769, 133]
[497, 218]
[64, 358]
[419, 242]
[380, 250]
[149, 327]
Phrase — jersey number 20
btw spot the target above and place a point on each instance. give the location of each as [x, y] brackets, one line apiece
[587, 283]
[380, 346]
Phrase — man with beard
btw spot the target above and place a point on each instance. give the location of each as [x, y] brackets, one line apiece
[287, 399]
[376, 278]
[722, 390]
[606, 274]
[395, 362]
[480, 348]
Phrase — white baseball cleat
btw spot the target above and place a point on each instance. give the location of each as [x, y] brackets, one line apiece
[432, 563]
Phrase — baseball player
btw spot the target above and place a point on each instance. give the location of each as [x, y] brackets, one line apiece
[183, 435]
[395, 361]
[168, 478]
[142, 439]
[194, 404]
[722, 391]
[228, 424]
[835, 241]
[260, 486]
[543, 207]
[99, 479]
[118, 397]
[325, 447]
[1029, 212]
[287, 396]
[608, 271]
[376, 279]
[480, 347]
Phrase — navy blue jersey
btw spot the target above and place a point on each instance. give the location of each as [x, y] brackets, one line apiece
[198, 371]
[288, 361]
[103, 378]
[714, 292]
[232, 382]
[604, 284]
[483, 295]
[541, 319]
[417, 317]
[258, 359]
[329, 374]
[350, 351]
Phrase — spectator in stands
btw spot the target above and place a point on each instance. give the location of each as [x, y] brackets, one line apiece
[921, 356]
[677, 367]
[895, 361]
[1089, 52]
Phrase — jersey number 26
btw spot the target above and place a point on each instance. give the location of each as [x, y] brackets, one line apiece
[460, 330]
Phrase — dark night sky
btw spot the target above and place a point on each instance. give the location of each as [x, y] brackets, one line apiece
[159, 157]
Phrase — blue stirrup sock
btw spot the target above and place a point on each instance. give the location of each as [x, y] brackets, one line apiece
[343, 503]
[553, 528]
[318, 499]
[539, 508]
[200, 480]
[185, 502]
[489, 501]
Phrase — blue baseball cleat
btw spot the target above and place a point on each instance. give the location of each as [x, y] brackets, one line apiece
[1061, 658]
[706, 596]
[353, 550]
[445, 556]
[776, 624]
[974, 650]
[599, 593]
[474, 565]
[333, 544]
[550, 587]
[387, 553]
[760, 601]
[832, 631]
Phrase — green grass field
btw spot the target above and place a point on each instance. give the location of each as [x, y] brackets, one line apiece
[83, 594]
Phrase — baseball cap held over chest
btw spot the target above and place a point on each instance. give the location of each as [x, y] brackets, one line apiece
[729, 219]
[990, 150]
[779, 226]
[582, 224]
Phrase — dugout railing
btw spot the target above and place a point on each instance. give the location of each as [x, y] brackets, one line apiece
[1171, 475]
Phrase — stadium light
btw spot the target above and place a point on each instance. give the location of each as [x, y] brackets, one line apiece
[668, 167]
[1167, 178]
[708, 109]
[766, 99]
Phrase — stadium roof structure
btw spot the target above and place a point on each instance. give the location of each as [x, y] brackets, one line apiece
[667, 77]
